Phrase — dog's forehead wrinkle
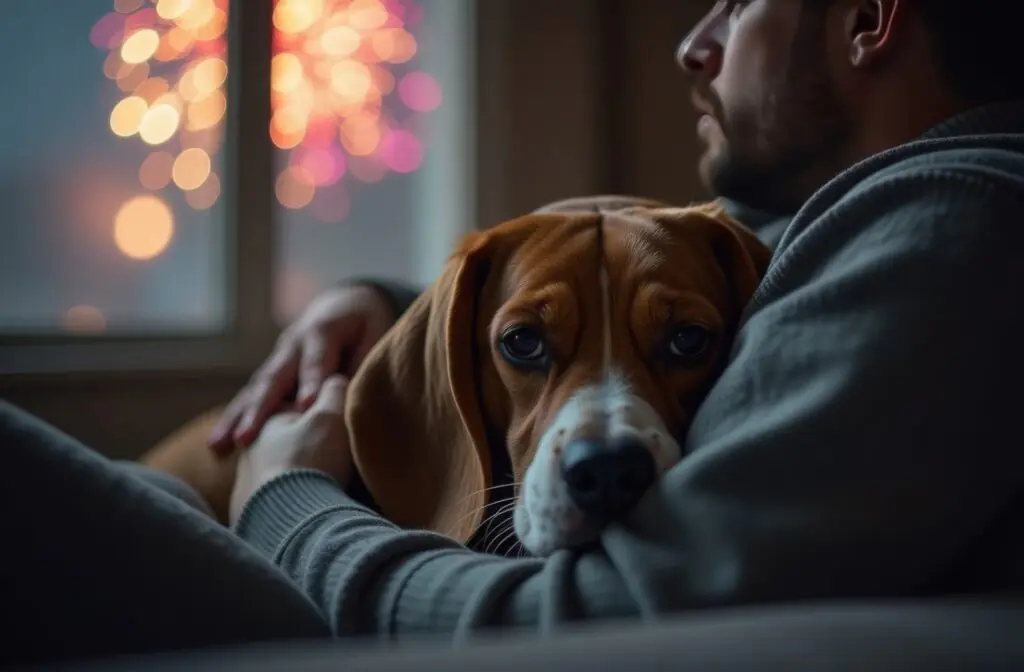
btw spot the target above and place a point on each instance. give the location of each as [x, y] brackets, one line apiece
[566, 257]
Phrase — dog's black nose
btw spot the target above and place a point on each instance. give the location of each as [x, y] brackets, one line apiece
[605, 479]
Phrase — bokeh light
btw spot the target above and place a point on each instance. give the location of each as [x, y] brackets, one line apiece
[143, 227]
[84, 319]
[204, 196]
[167, 60]
[191, 169]
[155, 171]
[346, 97]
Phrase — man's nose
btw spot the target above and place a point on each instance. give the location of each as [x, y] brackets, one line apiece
[701, 51]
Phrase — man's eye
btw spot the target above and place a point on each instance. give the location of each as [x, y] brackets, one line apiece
[523, 346]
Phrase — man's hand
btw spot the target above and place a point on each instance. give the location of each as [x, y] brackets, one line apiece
[313, 439]
[333, 335]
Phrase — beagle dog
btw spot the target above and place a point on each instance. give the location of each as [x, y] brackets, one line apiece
[544, 381]
[548, 376]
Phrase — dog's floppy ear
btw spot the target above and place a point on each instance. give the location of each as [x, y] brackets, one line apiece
[416, 425]
[740, 253]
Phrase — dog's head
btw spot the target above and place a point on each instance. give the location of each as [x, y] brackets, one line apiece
[584, 337]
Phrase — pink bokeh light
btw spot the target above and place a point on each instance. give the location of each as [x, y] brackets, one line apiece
[326, 165]
[107, 32]
[420, 92]
[402, 151]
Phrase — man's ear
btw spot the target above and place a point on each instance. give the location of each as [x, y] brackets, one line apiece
[869, 26]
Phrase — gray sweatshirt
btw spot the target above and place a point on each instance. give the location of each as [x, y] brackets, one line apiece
[863, 441]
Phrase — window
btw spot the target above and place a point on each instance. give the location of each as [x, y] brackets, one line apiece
[181, 176]
[369, 130]
[110, 168]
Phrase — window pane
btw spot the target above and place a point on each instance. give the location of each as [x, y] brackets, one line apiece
[110, 166]
[364, 95]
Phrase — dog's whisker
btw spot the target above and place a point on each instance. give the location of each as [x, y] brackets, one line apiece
[487, 522]
[465, 501]
[482, 491]
[504, 502]
[504, 538]
[501, 528]
[492, 545]
[472, 511]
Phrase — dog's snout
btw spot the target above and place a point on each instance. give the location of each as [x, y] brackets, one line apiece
[606, 478]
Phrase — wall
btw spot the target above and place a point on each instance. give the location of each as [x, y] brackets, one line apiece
[575, 97]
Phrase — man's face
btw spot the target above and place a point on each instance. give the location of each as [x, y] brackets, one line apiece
[772, 120]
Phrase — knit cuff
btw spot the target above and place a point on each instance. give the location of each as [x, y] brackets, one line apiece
[283, 504]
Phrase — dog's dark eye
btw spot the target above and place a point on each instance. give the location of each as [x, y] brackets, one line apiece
[689, 341]
[523, 345]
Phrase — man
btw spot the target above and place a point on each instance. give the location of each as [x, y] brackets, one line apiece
[857, 443]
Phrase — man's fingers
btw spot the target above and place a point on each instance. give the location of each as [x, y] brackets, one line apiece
[267, 396]
[331, 399]
[320, 358]
[221, 438]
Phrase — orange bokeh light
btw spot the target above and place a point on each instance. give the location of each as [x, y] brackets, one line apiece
[126, 6]
[285, 73]
[126, 117]
[191, 169]
[143, 227]
[209, 75]
[140, 46]
[84, 320]
[295, 187]
[351, 80]
[295, 16]
[215, 27]
[168, 57]
[207, 112]
[159, 124]
[198, 14]
[155, 171]
[171, 9]
[367, 15]
[340, 41]
[151, 89]
[130, 76]
[206, 195]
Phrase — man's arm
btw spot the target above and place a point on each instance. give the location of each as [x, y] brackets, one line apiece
[855, 446]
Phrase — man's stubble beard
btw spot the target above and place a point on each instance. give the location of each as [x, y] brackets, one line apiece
[774, 157]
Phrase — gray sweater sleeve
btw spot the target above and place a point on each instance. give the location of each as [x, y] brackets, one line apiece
[855, 445]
